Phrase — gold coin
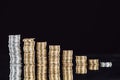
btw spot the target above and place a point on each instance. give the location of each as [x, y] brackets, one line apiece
[41, 45]
[54, 47]
[93, 61]
[93, 67]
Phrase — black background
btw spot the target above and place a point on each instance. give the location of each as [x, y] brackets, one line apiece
[88, 27]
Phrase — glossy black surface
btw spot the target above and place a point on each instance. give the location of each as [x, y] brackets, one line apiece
[88, 27]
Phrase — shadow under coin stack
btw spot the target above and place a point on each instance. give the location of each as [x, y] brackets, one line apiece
[41, 61]
[81, 64]
[15, 57]
[67, 64]
[29, 59]
[54, 62]
[93, 64]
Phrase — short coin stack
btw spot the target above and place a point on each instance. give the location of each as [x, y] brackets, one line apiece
[15, 57]
[54, 62]
[106, 64]
[93, 64]
[81, 64]
[67, 64]
[29, 59]
[41, 61]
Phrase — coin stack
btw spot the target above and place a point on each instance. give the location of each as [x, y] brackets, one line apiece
[106, 64]
[41, 61]
[81, 64]
[54, 62]
[29, 59]
[93, 64]
[15, 57]
[67, 64]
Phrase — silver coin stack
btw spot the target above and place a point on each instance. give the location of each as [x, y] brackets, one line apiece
[54, 62]
[15, 57]
[106, 64]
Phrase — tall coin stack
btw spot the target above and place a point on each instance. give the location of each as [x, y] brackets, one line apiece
[81, 64]
[54, 62]
[29, 59]
[15, 57]
[93, 64]
[41, 61]
[67, 64]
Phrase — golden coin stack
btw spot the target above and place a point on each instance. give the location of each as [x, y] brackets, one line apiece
[41, 61]
[29, 59]
[81, 64]
[67, 64]
[93, 64]
[54, 62]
